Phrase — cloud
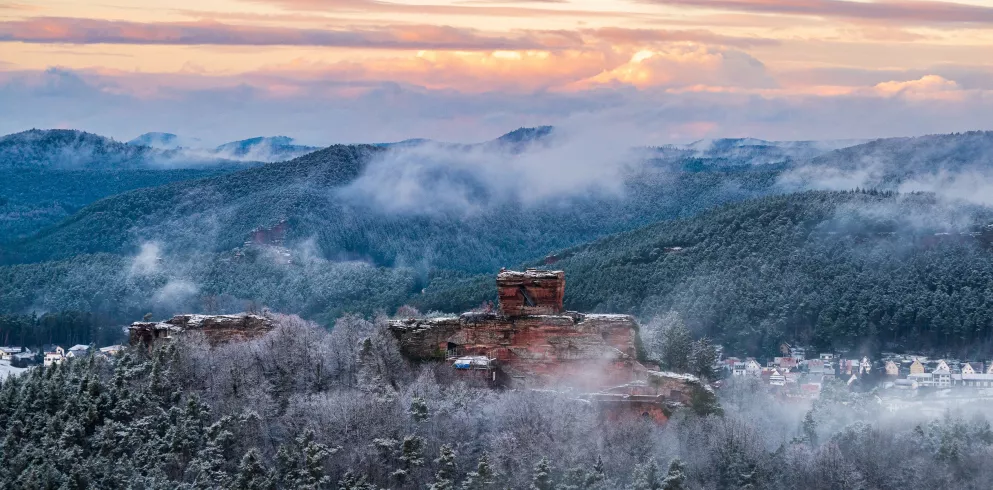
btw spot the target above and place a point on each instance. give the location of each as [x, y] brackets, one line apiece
[895, 11]
[465, 8]
[927, 87]
[148, 260]
[93, 31]
[175, 292]
[320, 108]
[623, 36]
[972, 186]
[686, 66]
[419, 37]
[583, 156]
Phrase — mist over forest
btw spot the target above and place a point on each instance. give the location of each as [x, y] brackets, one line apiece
[718, 250]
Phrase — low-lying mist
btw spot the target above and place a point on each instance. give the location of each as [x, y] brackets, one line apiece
[305, 406]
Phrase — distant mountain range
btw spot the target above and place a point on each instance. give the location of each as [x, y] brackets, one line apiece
[78, 150]
[750, 151]
[68, 149]
[46, 175]
[165, 141]
[260, 149]
[320, 234]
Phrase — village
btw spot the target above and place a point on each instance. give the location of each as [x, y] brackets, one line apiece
[14, 360]
[795, 375]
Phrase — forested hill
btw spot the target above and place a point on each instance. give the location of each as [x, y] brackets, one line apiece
[886, 163]
[848, 270]
[47, 175]
[322, 203]
[58, 148]
[67, 149]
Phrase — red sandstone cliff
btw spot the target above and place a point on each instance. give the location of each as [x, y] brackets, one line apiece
[216, 328]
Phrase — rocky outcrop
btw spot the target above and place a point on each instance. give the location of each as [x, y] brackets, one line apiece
[533, 343]
[216, 329]
[532, 292]
[571, 349]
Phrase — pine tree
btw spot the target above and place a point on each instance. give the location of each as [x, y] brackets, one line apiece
[542, 476]
[252, 473]
[597, 478]
[810, 428]
[674, 344]
[312, 470]
[483, 477]
[675, 478]
[704, 356]
[445, 478]
[412, 452]
[646, 477]
[418, 409]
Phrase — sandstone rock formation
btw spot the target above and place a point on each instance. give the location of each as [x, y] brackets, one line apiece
[216, 328]
[533, 343]
[568, 350]
[532, 292]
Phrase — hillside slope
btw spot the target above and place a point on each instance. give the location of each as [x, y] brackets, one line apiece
[47, 175]
[69, 149]
[845, 270]
[887, 163]
[316, 197]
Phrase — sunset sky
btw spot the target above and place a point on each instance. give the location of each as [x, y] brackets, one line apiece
[328, 71]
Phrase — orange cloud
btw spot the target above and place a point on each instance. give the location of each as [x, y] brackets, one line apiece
[93, 31]
[514, 71]
[619, 35]
[688, 66]
[927, 87]
[467, 9]
[894, 11]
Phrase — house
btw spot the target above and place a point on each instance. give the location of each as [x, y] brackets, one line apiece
[972, 368]
[827, 357]
[54, 355]
[23, 359]
[892, 368]
[111, 350]
[989, 368]
[847, 366]
[78, 350]
[815, 366]
[980, 380]
[738, 369]
[942, 367]
[752, 367]
[7, 353]
[922, 379]
[916, 367]
[865, 365]
[776, 378]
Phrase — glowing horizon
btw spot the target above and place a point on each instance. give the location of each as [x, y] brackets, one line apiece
[921, 56]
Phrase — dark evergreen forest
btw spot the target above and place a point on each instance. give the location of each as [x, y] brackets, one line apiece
[860, 270]
[307, 408]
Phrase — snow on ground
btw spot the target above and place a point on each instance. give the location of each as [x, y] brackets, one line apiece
[6, 370]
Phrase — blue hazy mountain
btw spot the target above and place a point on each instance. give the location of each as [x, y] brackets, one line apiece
[264, 149]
